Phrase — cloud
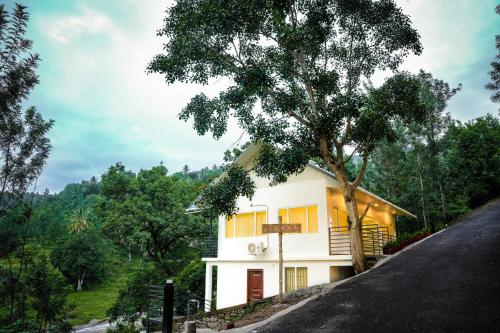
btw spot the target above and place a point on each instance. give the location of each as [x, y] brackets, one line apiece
[66, 28]
[107, 109]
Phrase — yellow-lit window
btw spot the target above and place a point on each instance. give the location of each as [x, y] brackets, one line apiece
[230, 227]
[312, 213]
[295, 278]
[245, 224]
[260, 219]
[343, 218]
[301, 277]
[306, 216]
[283, 213]
[289, 279]
[298, 216]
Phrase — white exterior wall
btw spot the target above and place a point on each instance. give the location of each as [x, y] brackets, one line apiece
[308, 188]
[232, 278]
[309, 250]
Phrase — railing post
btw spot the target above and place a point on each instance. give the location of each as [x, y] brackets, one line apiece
[168, 307]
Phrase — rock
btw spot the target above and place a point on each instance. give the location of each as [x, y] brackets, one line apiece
[226, 326]
[190, 327]
[93, 322]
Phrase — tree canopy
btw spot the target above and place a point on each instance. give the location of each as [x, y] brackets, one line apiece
[300, 83]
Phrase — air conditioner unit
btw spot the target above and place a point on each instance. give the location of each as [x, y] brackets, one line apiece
[261, 248]
[252, 249]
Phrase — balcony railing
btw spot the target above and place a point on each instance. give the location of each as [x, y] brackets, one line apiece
[374, 238]
[210, 247]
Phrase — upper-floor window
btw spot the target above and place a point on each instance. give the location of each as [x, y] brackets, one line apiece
[306, 216]
[245, 224]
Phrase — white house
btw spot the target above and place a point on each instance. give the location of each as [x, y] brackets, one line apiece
[247, 260]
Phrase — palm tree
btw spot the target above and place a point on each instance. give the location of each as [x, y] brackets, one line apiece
[80, 220]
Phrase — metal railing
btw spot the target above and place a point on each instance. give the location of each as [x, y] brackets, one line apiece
[210, 247]
[374, 238]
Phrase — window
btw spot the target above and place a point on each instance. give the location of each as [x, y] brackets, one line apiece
[230, 227]
[289, 279]
[306, 216]
[295, 278]
[260, 219]
[245, 224]
[312, 215]
[340, 219]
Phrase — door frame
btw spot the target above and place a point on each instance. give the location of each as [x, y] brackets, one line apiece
[261, 271]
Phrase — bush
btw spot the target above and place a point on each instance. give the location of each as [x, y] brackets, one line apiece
[82, 257]
[132, 300]
[404, 240]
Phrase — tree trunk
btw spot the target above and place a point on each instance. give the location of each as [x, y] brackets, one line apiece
[443, 202]
[80, 282]
[355, 234]
[424, 211]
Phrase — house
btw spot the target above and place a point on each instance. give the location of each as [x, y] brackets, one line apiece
[247, 260]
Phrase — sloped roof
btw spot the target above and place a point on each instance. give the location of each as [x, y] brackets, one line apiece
[248, 154]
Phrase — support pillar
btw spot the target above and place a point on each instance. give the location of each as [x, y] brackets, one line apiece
[208, 287]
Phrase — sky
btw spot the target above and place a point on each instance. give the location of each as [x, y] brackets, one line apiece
[107, 109]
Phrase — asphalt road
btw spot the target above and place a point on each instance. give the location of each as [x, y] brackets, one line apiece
[447, 283]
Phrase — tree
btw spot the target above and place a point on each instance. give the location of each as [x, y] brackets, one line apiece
[82, 257]
[80, 220]
[147, 211]
[298, 72]
[47, 287]
[24, 146]
[472, 158]
[431, 131]
[494, 85]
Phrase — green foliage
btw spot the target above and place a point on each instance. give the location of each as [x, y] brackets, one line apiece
[40, 294]
[473, 159]
[132, 300]
[189, 284]
[298, 70]
[405, 237]
[95, 300]
[83, 257]
[24, 145]
[147, 211]
[494, 85]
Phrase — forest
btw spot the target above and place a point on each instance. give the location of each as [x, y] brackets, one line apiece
[91, 250]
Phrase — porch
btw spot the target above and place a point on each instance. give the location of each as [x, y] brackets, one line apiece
[374, 238]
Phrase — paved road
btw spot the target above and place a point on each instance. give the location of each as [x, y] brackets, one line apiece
[448, 283]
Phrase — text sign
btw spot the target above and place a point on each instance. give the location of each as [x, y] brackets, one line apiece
[280, 228]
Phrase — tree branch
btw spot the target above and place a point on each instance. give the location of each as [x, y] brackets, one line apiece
[361, 173]
[362, 217]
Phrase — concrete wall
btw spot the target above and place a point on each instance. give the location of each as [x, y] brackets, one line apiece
[232, 278]
[305, 189]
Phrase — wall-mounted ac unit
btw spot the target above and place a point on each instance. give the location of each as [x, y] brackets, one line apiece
[252, 249]
[261, 248]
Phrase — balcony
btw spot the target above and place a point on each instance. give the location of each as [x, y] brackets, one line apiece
[374, 238]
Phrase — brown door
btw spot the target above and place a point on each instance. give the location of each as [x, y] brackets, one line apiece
[255, 283]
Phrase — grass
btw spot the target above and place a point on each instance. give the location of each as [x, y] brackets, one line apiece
[93, 303]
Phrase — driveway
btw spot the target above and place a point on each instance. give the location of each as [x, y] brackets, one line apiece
[448, 283]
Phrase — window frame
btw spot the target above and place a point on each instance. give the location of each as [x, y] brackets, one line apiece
[307, 217]
[234, 217]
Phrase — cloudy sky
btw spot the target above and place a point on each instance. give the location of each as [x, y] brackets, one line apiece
[107, 109]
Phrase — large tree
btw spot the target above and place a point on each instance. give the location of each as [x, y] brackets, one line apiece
[494, 85]
[147, 211]
[299, 73]
[24, 146]
[431, 131]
